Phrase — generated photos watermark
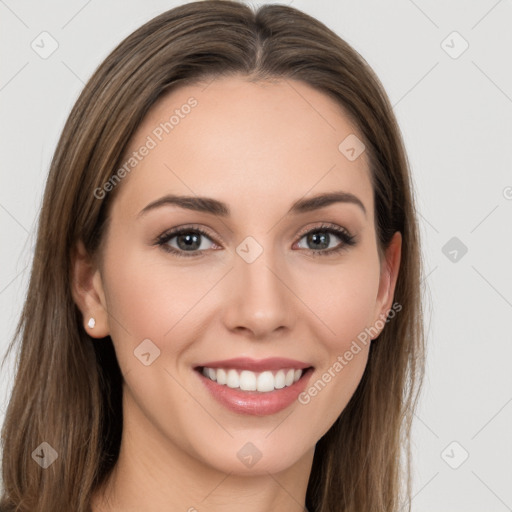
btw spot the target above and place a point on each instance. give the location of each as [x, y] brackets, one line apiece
[343, 360]
[152, 140]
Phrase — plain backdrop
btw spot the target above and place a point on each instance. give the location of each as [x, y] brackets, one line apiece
[447, 69]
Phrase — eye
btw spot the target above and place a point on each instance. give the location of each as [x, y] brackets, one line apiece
[189, 241]
[320, 239]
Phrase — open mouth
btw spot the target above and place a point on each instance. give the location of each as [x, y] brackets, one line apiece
[247, 380]
[255, 387]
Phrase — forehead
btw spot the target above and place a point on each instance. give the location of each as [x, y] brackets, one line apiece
[232, 137]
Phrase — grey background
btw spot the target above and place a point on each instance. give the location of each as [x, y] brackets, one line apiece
[456, 118]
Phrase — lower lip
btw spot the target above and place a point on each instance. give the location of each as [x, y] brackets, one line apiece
[256, 403]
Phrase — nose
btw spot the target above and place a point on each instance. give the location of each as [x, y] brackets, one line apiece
[259, 297]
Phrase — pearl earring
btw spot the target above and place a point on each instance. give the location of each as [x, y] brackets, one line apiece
[91, 323]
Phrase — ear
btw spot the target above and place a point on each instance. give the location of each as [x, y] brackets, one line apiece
[388, 277]
[87, 291]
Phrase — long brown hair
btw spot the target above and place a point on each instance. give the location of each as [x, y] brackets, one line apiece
[67, 388]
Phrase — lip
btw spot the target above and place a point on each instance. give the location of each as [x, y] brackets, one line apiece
[256, 403]
[246, 363]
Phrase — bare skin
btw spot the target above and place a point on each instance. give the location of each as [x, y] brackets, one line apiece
[258, 147]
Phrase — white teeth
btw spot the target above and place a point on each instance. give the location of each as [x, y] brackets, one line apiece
[250, 381]
[247, 381]
[221, 375]
[266, 382]
[279, 380]
[233, 379]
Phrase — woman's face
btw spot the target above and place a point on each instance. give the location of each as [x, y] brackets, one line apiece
[256, 288]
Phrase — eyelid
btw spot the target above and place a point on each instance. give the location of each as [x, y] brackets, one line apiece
[176, 230]
[215, 238]
[323, 225]
[200, 227]
[337, 230]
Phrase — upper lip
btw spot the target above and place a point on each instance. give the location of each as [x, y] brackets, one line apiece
[260, 365]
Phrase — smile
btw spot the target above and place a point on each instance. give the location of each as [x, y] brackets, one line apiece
[258, 388]
[247, 380]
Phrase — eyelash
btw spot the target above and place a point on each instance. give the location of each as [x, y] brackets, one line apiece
[347, 240]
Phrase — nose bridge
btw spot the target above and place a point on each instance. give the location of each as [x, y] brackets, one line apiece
[259, 300]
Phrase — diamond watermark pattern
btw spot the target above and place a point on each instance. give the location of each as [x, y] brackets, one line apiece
[147, 352]
[454, 455]
[44, 45]
[454, 249]
[351, 147]
[45, 455]
[249, 250]
[454, 45]
[249, 455]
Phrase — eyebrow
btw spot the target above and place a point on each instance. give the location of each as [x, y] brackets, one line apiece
[215, 207]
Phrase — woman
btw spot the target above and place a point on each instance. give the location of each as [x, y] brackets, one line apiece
[224, 307]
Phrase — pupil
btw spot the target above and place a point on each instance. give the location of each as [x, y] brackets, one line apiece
[189, 240]
[324, 237]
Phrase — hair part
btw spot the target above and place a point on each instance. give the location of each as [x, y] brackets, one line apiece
[68, 386]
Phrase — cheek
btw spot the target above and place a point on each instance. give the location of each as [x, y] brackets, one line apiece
[342, 297]
[344, 301]
[149, 297]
